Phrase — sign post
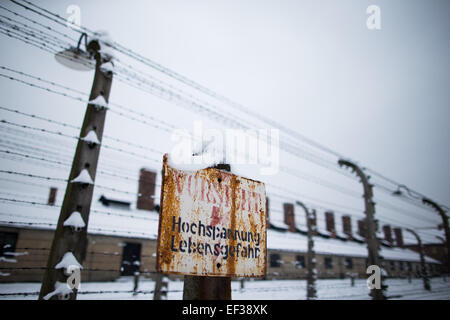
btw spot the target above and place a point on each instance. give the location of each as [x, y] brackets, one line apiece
[212, 224]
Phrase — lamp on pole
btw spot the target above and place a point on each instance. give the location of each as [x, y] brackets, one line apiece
[439, 209]
[373, 244]
[444, 217]
[426, 280]
[310, 257]
[69, 244]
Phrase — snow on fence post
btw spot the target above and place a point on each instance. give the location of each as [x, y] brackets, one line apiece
[71, 231]
[373, 244]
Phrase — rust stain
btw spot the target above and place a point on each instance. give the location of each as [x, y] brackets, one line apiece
[228, 207]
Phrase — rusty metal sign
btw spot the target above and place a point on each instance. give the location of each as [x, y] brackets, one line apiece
[211, 223]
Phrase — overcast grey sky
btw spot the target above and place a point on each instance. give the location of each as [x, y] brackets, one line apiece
[376, 96]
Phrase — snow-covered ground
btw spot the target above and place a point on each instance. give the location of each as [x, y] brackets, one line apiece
[253, 290]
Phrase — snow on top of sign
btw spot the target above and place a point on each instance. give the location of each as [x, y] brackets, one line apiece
[83, 177]
[75, 220]
[91, 137]
[189, 164]
[67, 261]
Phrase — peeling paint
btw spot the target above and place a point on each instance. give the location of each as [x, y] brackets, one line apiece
[211, 223]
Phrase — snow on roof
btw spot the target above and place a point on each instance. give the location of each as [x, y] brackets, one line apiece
[279, 225]
[341, 234]
[358, 237]
[143, 224]
[102, 220]
[296, 242]
[301, 227]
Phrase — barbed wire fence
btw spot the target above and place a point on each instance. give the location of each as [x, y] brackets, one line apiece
[32, 140]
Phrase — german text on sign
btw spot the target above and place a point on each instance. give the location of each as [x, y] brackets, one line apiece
[212, 223]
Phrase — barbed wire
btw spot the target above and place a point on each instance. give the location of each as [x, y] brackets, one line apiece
[60, 20]
[216, 117]
[290, 171]
[354, 194]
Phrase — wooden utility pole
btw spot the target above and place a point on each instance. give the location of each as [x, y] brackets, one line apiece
[445, 225]
[373, 244]
[78, 195]
[208, 288]
[310, 256]
[426, 280]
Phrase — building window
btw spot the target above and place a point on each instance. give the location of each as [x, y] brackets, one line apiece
[8, 242]
[409, 266]
[400, 264]
[300, 262]
[275, 260]
[131, 258]
[392, 265]
[349, 263]
[328, 263]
